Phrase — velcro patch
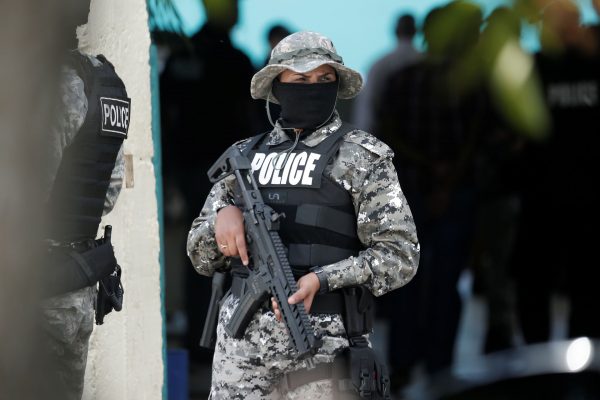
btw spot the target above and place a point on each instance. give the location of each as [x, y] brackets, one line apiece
[115, 116]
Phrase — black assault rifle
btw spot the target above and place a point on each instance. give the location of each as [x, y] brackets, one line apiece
[271, 273]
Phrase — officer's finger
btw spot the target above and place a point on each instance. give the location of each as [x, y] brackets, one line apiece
[222, 245]
[276, 310]
[240, 242]
[308, 302]
[300, 295]
[230, 247]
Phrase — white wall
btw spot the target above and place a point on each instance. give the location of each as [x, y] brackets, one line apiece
[125, 359]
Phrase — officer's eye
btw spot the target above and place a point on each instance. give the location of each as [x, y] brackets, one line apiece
[327, 78]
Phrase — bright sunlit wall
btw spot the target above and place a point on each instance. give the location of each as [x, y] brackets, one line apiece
[361, 30]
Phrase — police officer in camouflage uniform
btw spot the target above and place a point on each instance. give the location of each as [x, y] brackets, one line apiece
[347, 225]
[84, 179]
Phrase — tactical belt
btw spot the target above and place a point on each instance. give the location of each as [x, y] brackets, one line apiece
[336, 370]
[76, 265]
[80, 246]
[327, 303]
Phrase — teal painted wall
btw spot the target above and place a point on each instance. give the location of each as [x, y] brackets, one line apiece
[157, 164]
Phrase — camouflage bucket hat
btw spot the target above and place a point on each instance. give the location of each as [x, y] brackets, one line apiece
[302, 52]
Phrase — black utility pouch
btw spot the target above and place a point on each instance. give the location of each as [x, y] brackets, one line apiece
[361, 360]
[110, 295]
[359, 311]
[368, 375]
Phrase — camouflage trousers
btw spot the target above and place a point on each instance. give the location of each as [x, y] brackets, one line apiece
[68, 323]
[254, 366]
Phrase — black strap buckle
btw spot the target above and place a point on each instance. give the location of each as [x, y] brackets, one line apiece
[358, 341]
[364, 390]
[383, 382]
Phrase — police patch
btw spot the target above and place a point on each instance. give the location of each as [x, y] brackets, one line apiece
[115, 116]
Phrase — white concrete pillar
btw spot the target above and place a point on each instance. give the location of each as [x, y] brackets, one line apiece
[126, 353]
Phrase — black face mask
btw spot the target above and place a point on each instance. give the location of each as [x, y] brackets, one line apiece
[305, 106]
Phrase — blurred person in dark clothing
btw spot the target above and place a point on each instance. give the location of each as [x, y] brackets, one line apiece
[403, 55]
[556, 241]
[274, 36]
[596, 4]
[432, 129]
[200, 85]
[498, 156]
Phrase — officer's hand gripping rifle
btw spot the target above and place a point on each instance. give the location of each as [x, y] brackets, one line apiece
[271, 273]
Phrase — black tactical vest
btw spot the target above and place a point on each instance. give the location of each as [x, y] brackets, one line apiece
[77, 199]
[319, 227]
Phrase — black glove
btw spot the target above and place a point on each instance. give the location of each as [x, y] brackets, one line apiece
[110, 295]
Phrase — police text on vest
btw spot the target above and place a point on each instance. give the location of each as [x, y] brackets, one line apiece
[295, 169]
[115, 116]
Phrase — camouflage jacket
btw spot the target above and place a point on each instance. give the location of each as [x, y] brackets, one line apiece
[385, 226]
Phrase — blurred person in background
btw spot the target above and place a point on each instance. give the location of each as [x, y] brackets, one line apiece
[85, 173]
[498, 167]
[596, 28]
[274, 35]
[403, 55]
[556, 240]
[347, 225]
[433, 125]
[203, 80]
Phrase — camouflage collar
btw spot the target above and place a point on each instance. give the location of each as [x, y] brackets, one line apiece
[279, 135]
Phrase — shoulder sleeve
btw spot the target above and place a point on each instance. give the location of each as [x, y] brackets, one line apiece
[201, 245]
[385, 225]
[370, 143]
[116, 183]
[73, 106]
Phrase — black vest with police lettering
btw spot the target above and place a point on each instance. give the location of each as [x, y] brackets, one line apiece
[77, 199]
[319, 226]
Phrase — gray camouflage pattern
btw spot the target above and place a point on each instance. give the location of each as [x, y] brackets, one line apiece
[253, 366]
[68, 323]
[350, 80]
[68, 319]
[385, 224]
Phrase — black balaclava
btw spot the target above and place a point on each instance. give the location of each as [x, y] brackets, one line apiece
[305, 106]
